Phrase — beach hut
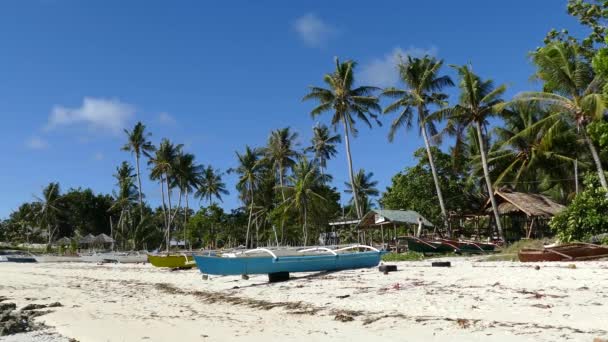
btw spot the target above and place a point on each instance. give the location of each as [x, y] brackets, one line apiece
[87, 240]
[523, 214]
[391, 221]
[103, 240]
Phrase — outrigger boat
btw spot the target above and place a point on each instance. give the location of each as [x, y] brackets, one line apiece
[568, 252]
[266, 261]
[172, 260]
[438, 246]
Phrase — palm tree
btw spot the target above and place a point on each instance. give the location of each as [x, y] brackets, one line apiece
[323, 145]
[186, 177]
[126, 195]
[138, 144]
[366, 188]
[478, 101]
[572, 92]
[423, 89]
[302, 193]
[162, 163]
[50, 205]
[249, 171]
[280, 153]
[211, 185]
[347, 103]
[529, 152]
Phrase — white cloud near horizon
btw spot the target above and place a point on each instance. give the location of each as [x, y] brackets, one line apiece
[98, 113]
[36, 143]
[166, 119]
[313, 30]
[382, 72]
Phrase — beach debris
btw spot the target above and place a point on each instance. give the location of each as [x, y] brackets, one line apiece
[278, 277]
[441, 264]
[13, 321]
[599, 339]
[537, 267]
[542, 306]
[341, 317]
[244, 277]
[463, 323]
[343, 296]
[387, 268]
[571, 266]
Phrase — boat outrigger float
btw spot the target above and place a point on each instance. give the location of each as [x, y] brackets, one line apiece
[278, 262]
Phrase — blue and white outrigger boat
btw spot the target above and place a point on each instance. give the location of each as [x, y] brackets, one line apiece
[282, 262]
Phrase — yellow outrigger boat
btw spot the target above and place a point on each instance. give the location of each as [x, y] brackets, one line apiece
[172, 260]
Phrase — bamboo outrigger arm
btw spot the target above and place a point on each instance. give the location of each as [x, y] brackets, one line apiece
[274, 256]
[358, 246]
[318, 249]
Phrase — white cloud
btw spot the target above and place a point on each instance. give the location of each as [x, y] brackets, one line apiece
[97, 113]
[382, 72]
[98, 156]
[166, 119]
[313, 30]
[36, 143]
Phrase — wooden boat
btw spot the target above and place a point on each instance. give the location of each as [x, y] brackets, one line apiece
[117, 257]
[438, 246]
[172, 260]
[17, 256]
[567, 252]
[473, 247]
[58, 258]
[266, 261]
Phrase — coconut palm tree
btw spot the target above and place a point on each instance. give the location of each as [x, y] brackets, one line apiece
[210, 185]
[571, 91]
[50, 208]
[162, 167]
[138, 144]
[347, 103]
[323, 145]
[125, 196]
[479, 100]
[423, 89]
[186, 178]
[366, 188]
[250, 171]
[280, 152]
[302, 192]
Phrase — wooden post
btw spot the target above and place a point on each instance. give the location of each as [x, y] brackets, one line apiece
[382, 233]
[530, 228]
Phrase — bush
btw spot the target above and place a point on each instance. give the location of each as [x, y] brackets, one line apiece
[409, 256]
[585, 216]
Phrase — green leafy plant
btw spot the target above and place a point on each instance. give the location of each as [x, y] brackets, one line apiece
[409, 256]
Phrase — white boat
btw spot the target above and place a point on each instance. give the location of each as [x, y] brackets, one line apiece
[119, 257]
[58, 258]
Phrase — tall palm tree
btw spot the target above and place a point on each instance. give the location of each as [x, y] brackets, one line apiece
[366, 188]
[529, 152]
[479, 100]
[571, 91]
[211, 185]
[138, 144]
[162, 163]
[125, 196]
[303, 192]
[423, 89]
[249, 170]
[347, 104]
[186, 177]
[280, 152]
[323, 145]
[50, 208]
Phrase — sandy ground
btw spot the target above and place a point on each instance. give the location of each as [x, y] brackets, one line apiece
[471, 301]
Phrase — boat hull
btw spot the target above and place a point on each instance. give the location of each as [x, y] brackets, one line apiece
[57, 258]
[268, 265]
[569, 252]
[20, 259]
[172, 261]
[428, 246]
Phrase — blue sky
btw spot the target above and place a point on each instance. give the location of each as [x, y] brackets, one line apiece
[216, 76]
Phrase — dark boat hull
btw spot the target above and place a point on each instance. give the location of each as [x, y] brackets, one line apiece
[267, 265]
[20, 259]
[569, 252]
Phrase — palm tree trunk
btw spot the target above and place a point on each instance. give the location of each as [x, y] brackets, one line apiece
[304, 227]
[486, 172]
[162, 193]
[250, 215]
[141, 207]
[350, 169]
[186, 218]
[596, 159]
[427, 144]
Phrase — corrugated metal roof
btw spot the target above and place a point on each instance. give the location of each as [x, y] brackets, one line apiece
[393, 216]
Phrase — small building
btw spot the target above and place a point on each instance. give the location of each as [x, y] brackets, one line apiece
[523, 214]
[394, 222]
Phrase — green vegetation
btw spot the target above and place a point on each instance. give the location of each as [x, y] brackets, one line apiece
[538, 141]
[409, 256]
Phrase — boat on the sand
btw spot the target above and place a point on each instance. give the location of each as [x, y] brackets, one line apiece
[567, 252]
[172, 260]
[267, 261]
[58, 258]
[115, 257]
[438, 246]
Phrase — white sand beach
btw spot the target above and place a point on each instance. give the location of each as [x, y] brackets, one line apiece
[471, 301]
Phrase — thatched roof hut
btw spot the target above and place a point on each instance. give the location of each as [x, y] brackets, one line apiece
[87, 240]
[532, 205]
[103, 239]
